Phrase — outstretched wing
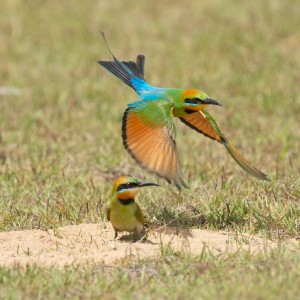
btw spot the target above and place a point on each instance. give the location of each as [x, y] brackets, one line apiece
[200, 123]
[148, 135]
[204, 123]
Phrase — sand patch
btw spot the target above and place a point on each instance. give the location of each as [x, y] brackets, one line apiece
[85, 243]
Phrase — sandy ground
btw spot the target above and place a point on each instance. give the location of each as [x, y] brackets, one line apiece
[94, 243]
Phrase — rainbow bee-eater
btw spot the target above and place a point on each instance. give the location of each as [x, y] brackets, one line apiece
[148, 130]
[123, 212]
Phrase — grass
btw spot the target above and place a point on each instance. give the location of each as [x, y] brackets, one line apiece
[60, 143]
[172, 276]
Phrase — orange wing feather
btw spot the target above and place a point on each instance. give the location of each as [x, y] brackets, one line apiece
[205, 124]
[200, 123]
[152, 146]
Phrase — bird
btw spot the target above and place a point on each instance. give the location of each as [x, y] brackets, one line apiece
[123, 212]
[148, 129]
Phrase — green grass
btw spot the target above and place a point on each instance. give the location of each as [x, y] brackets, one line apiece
[61, 148]
[172, 276]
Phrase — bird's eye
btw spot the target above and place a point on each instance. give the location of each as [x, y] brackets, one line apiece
[129, 185]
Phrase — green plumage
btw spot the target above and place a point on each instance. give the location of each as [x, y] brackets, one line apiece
[148, 130]
[123, 212]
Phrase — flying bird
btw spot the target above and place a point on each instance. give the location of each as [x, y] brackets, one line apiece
[148, 129]
[123, 212]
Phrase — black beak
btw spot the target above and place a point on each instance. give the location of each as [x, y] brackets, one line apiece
[211, 101]
[145, 183]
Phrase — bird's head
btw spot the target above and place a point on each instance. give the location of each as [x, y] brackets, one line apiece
[126, 187]
[195, 100]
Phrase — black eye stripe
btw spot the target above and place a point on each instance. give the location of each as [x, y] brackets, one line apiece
[127, 185]
[192, 100]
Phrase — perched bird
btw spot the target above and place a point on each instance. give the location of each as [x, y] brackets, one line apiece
[148, 129]
[123, 212]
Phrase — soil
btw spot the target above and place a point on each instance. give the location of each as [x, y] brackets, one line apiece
[94, 243]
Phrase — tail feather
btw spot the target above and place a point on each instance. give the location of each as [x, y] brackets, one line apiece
[134, 68]
[140, 61]
[124, 70]
[117, 71]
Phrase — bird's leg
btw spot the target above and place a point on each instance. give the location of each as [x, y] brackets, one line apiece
[145, 231]
[136, 235]
[139, 236]
[116, 233]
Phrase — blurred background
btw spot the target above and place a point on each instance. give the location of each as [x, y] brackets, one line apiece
[60, 112]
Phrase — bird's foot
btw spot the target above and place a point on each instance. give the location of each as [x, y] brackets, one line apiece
[116, 233]
[140, 236]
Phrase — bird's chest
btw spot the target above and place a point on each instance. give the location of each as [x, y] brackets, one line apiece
[123, 218]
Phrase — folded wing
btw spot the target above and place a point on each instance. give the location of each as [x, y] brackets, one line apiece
[204, 123]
